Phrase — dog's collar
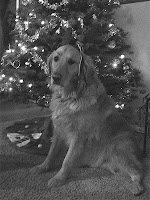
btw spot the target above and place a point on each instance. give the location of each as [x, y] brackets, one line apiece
[81, 63]
[81, 72]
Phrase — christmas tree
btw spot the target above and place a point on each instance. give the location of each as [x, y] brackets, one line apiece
[42, 26]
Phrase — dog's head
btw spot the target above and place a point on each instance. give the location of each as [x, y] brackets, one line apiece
[71, 69]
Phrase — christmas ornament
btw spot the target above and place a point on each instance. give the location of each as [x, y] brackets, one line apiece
[36, 136]
[26, 25]
[16, 64]
[32, 14]
[110, 25]
[126, 67]
[44, 101]
[112, 45]
[39, 145]
[27, 63]
[26, 2]
[94, 17]
[98, 59]
[115, 2]
[113, 31]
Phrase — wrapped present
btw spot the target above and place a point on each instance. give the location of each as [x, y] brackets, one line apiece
[32, 136]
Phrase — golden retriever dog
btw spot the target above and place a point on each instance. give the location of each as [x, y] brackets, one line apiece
[85, 118]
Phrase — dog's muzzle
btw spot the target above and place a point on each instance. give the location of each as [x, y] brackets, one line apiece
[56, 79]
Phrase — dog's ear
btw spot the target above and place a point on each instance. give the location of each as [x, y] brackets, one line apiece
[87, 75]
[88, 70]
[89, 78]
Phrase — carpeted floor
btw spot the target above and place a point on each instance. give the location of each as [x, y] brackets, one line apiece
[16, 182]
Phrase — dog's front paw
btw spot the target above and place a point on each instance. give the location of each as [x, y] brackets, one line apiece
[56, 181]
[39, 169]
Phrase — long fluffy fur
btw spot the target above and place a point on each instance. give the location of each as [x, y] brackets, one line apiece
[91, 127]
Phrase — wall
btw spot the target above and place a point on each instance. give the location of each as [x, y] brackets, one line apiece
[135, 18]
[7, 14]
[1, 39]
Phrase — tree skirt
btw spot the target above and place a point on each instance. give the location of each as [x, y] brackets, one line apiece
[28, 135]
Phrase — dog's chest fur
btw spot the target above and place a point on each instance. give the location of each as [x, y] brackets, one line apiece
[70, 117]
[85, 118]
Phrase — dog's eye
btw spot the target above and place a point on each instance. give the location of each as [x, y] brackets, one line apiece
[56, 58]
[71, 62]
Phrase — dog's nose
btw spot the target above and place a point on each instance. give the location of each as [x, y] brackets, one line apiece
[56, 78]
